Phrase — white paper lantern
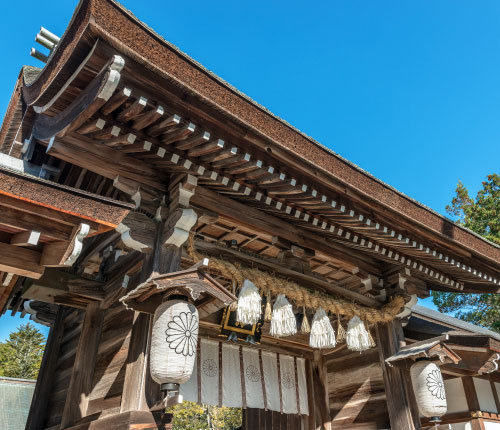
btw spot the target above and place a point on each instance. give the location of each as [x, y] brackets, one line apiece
[174, 342]
[429, 389]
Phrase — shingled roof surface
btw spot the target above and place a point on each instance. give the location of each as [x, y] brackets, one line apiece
[452, 321]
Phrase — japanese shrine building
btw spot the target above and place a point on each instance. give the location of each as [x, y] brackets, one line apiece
[131, 177]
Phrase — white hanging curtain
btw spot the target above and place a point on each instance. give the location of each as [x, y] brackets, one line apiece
[231, 376]
[238, 376]
[271, 381]
[253, 379]
[209, 366]
[189, 390]
[288, 384]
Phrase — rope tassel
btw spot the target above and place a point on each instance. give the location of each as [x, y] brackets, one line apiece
[341, 334]
[358, 338]
[268, 314]
[234, 306]
[283, 322]
[249, 304]
[305, 328]
[322, 333]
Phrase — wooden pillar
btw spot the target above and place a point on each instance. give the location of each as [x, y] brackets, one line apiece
[134, 386]
[140, 392]
[472, 401]
[38, 409]
[321, 395]
[310, 423]
[401, 403]
[80, 385]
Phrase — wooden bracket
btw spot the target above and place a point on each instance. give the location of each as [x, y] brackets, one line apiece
[491, 365]
[193, 282]
[181, 218]
[293, 256]
[138, 231]
[65, 253]
[139, 193]
[178, 226]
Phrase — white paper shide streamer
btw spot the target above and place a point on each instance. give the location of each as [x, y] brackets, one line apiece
[358, 338]
[249, 304]
[283, 322]
[322, 333]
[173, 343]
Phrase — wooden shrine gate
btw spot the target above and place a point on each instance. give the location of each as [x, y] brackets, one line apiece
[131, 177]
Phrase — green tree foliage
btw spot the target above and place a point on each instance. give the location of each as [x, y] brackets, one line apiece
[482, 216]
[21, 355]
[193, 416]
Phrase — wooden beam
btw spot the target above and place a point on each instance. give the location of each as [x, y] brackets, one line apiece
[148, 118]
[45, 380]
[21, 261]
[103, 160]
[401, 404]
[116, 100]
[133, 110]
[29, 221]
[25, 238]
[82, 374]
[328, 287]
[270, 225]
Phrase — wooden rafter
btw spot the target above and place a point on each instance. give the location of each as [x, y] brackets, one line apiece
[83, 106]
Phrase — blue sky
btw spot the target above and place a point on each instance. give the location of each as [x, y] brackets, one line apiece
[409, 91]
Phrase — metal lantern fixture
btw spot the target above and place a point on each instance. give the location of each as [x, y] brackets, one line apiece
[173, 342]
[429, 389]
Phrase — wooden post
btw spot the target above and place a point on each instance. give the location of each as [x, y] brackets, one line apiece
[472, 401]
[311, 403]
[401, 404]
[80, 385]
[40, 399]
[140, 392]
[321, 394]
[134, 396]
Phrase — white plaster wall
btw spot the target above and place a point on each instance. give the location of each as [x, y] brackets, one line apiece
[485, 395]
[455, 396]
